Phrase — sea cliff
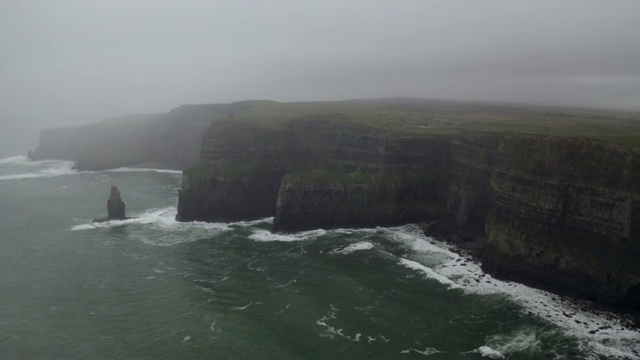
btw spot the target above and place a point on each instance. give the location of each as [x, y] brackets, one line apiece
[557, 212]
[170, 140]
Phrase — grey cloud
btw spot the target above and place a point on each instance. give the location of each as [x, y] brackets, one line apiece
[76, 61]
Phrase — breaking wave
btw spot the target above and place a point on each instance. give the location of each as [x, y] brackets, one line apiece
[164, 218]
[266, 235]
[50, 168]
[428, 272]
[168, 231]
[362, 245]
[20, 159]
[601, 334]
[133, 169]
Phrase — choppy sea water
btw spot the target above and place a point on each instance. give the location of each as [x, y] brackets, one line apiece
[152, 287]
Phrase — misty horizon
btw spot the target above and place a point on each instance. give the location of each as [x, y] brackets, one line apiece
[69, 62]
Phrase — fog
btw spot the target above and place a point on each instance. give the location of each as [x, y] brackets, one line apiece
[69, 62]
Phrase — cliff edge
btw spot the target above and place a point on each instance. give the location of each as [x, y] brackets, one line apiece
[560, 213]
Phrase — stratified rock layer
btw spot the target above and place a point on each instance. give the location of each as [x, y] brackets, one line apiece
[564, 215]
[559, 213]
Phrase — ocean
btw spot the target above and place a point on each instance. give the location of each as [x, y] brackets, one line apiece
[151, 287]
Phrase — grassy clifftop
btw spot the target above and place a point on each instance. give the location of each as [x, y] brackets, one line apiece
[173, 139]
[421, 117]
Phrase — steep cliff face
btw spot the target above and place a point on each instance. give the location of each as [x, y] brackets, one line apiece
[170, 140]
[238, 175]
[326, 199]
[242, 165]
[332, 167]
[469, 193]
[559, 213]
[564, 215]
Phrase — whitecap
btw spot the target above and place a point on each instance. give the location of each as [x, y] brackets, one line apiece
[56, 168]
[266, 236]
[213, 325]
[83, 227]
[596, 350]
[598, 332]
[133, 169]
[362, 245]
[413, 237]
[349, 231]
[268, 220]
[428, 272]
[602, 334]
[330, 331]
[488, 352]
[521, 341]
[19, 159]
[242, 307]
[426, 352]
[163, 218]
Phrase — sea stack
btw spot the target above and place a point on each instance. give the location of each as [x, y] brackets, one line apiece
[115, 207]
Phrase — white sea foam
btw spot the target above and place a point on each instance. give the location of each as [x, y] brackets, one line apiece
[171, 232]
[522, 341]
[488, 352]
[596, 350]
[163, 218]
[428, 272]
[362, 245]
[602, 334]
[19, 159]
[83, 227]
[426, 352]
[268, 220]
[265, 235]
[347, 231]
[132, 169]
[51, 169]
[330, 331]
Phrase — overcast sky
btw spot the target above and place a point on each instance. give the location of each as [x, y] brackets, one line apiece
[68, 61]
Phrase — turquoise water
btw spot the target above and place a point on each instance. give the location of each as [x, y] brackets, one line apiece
[153, 288]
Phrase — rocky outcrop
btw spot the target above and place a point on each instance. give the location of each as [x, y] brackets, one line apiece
[115, 207]
[559, 213]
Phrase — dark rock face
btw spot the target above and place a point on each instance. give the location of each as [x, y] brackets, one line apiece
[242, 167]
[564, 208]
[115, 207]
[558, 213]
[409, 187]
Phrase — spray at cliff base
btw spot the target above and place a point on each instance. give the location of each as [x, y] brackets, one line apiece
[151, 287]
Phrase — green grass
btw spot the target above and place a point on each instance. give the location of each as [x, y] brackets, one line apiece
[441, 118]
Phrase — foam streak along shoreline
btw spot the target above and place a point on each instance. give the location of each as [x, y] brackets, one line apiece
[602, 334]
[52, 168]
